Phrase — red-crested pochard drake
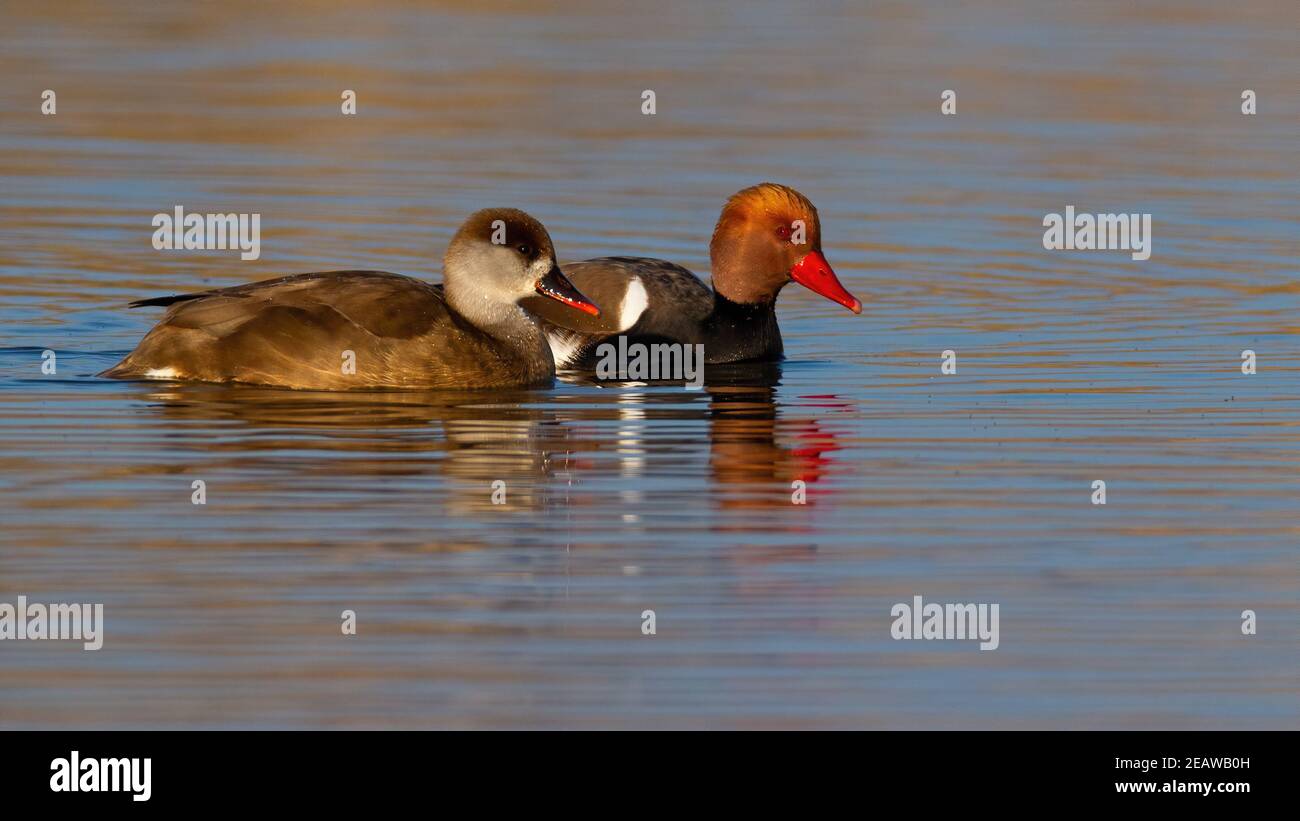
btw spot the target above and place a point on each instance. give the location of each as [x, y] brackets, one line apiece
[371, 329]
[756, 249]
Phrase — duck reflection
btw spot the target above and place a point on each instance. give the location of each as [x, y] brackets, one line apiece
[467, 440]
[759, 448]
[621, 440]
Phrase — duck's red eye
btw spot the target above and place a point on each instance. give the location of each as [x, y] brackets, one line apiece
[783, 232]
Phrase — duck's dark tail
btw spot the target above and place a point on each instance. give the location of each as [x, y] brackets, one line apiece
[118, 371]
[163, 301]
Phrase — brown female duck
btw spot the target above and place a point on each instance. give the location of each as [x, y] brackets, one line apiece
[756, 250]
[371, 329]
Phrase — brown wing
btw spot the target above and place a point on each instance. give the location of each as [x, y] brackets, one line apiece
[290, 331]
[384, 304]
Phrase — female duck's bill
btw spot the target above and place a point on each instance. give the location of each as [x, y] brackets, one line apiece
[370, 329]
[555, 285]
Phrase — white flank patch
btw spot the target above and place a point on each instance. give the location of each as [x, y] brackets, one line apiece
[634, 304]
[161, 373]
[564, 350]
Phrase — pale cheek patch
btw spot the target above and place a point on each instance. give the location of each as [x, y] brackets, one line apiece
[162, 373]
[634, 304]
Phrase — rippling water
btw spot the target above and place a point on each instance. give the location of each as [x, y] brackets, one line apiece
[973, 487]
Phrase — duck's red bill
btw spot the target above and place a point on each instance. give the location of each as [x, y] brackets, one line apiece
[814, 273]
[557, 286]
